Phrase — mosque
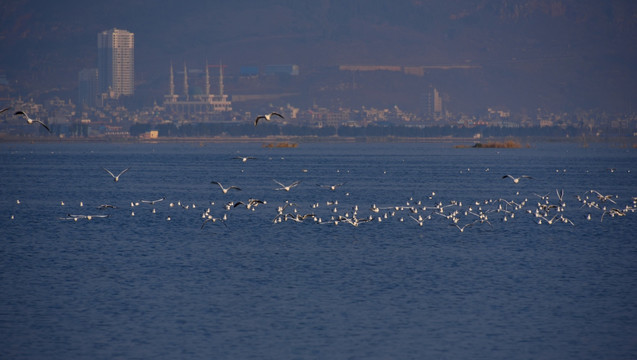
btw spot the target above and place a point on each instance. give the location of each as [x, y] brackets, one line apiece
[205, 105]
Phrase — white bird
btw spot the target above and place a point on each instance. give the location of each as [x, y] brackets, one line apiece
[244, 158]
[29, 120]
[517, 180]
[152, 202]
[288, 187]
[461, 228]
[115, 178]
[225, 190]
[214, 220]
[603, 198]
[331, 187]
[419, 220]
[267, 117]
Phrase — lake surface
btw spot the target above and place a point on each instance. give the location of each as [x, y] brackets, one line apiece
[380, 269]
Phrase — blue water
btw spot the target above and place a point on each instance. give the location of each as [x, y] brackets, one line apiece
[157, 285]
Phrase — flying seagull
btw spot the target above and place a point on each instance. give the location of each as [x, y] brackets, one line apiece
[225, 190]
[267, 117]
[153, 202]
[115, 178]
[288, 187]
[29, 120]
[244, 158]
[517, 179]
[331, 187]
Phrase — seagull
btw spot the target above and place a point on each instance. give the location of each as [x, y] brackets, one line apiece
[288, 187]
[252, 203]
[214, 220]
[104, 206]
[267, 117]
[331, 187]
[419, 220]
[225, 190]
[28, 119]
[152, 202]
[517, 180]
[461, 228]
[116, 178]
[603, 198]
[244, 158]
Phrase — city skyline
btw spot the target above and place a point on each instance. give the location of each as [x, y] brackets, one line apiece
[522, 55]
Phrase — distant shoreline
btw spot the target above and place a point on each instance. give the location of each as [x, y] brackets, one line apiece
[460, 141]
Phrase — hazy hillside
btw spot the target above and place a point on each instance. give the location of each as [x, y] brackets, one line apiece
[550, 53]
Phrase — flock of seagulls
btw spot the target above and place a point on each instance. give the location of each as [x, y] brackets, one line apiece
[427, 210]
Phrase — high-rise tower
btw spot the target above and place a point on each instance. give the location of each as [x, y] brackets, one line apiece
[116, 62]
[87, 87]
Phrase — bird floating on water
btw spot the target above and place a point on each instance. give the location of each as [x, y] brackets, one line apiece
[29, 120]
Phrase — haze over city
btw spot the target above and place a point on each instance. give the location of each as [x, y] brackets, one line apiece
[507, 56]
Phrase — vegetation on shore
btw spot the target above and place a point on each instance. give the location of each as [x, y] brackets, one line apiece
[509, 144]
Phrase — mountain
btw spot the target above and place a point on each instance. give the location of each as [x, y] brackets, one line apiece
[524, 54]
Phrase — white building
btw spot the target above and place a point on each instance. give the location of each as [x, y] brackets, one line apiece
[116, 62]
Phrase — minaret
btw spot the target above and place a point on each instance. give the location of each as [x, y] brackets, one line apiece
[171, 97]
[220, 79]
[172, 82]
[186, 82]
[207, 81]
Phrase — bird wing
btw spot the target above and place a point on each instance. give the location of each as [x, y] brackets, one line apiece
[5, 109]
[278, 183]
[123, 171]
[20, 113]
[277, 114]
[257, 119]
[43, 124]
[108, 171]
[234, 187]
